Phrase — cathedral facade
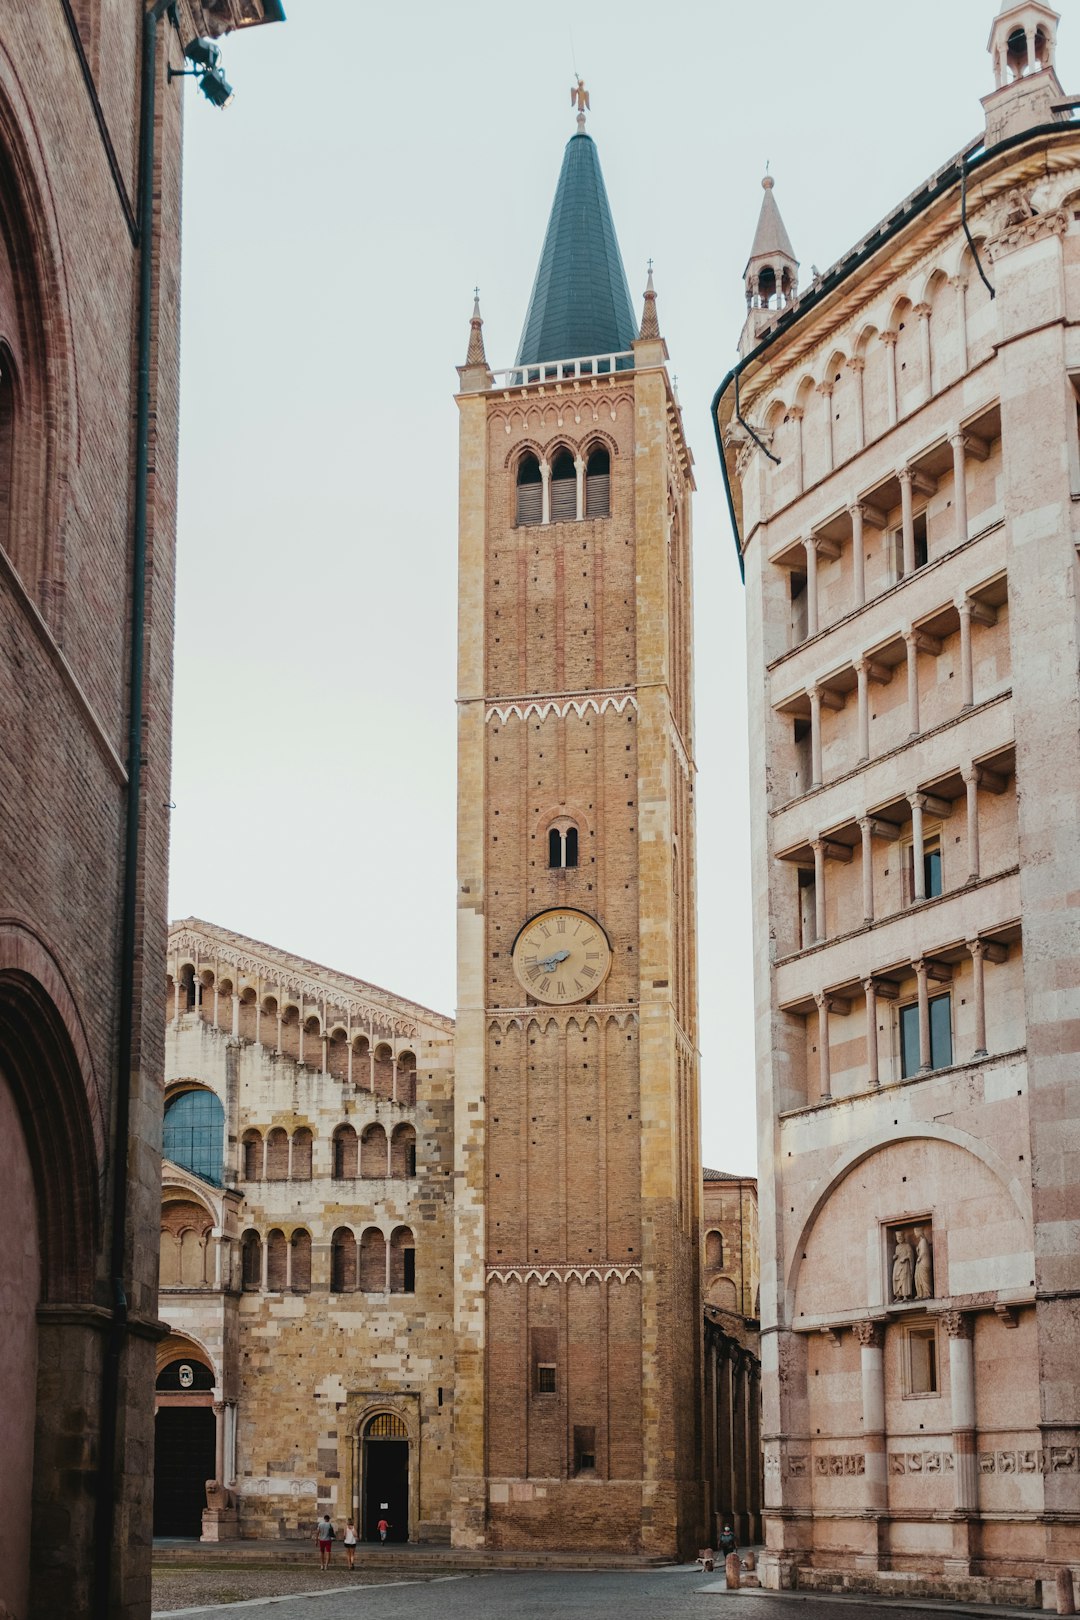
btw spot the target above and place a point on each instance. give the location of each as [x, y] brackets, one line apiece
[306, 1249]
[900, 445]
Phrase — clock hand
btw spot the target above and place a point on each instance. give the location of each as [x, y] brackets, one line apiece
[549, 963]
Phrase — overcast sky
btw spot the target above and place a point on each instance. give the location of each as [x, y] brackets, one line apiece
[377, 162]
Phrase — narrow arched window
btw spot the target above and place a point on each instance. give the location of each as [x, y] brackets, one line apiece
[251, 1150]
[403, 1152]
[277, 1261]
[277, 1155]
[301, 1154]
[530, 491]
[402, 1261]
[251, 1262]
[301, 1261]
[598, 484]
[344, 1153]
[373, 1162]
[372, 1261]
[343, 1262]
[714, 1251]
[563, 488]
[562, 846]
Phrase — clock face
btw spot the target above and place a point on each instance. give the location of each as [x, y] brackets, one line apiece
[561, 956]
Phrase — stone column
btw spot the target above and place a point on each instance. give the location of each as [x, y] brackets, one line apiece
[176, 996]
[324, 1040]
[579, 473]
[825, 389]
[907, 519]
[858, 556]
[235, 1015]
[911, 642]
[866, 828]
[300, 1031]
[960, 511]
[862, 676]
[219, 1442]
[923, 312]
[545, 492]
[889, 340]
[230, 1443]
[814, 694]
[971, 785]
[393, 1076]
[959, 287]
[967, 675]
[858, 366]
[724, 1469]
[873, 1078]
[917, 802]
[977, 949]
[962, 1391]
[810, 547]
[796, 414]
[824, 1075]
[924, 1014]
[872, 1365]
[1032, 59]
[738, 1429]
[818, 846]
[349, 1060]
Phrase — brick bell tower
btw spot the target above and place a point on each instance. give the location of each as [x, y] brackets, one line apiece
[577, 1159]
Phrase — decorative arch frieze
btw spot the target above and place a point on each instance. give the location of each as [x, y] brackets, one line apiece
[595, 703]
[567, 1273]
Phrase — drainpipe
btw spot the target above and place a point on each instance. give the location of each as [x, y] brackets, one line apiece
[116, 1340]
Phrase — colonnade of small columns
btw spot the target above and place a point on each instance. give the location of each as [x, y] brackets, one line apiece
[928, 969]
[1005, 47]
[913, 480]
[284, 1264]
[316, 1035]
[733, 1414]
[281, 1157]
[870, 667]
[976, 777]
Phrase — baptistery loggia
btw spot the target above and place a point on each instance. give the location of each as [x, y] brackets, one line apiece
[900, 444]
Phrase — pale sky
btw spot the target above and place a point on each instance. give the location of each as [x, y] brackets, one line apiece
[378, 161]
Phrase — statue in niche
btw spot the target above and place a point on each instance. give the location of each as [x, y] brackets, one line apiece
[924, 1264]
[903, 1268]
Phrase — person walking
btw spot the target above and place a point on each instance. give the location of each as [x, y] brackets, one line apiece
[728, 1543]
[350, 1542]
[324, 1538]
[382, 1527]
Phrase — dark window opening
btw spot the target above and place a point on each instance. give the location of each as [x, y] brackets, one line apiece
[545, 1378]
[563, 488]
[598, 485]
[409, 1281]
[530, 491]
[250, 1262]
[584, 1448]
[940, 1035]
[562, 847]
[410, 1159]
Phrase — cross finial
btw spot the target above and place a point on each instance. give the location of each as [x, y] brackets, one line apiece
[476, 294]
[649, 267]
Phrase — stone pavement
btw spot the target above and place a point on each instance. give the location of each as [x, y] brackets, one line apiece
[677, 1593]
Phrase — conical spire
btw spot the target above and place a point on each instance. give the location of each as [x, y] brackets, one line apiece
[580, 303]
[771, 240]
[650, 326]
[476, 355]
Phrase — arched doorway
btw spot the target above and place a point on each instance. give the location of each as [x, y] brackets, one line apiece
[185, 1432]
[385, 1477]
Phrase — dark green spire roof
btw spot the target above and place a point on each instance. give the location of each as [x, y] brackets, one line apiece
[580, 302]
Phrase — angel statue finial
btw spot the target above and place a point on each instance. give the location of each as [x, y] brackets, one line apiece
[579, 98]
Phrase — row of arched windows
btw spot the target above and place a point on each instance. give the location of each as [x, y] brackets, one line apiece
[374, 1155]
[369, 1265]
[575, 489]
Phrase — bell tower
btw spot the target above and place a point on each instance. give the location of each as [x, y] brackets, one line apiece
[577, 1160]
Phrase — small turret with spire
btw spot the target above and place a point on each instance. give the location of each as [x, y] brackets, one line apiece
[771, 276]
[475, 373]
[649, 347]
[1022, 45]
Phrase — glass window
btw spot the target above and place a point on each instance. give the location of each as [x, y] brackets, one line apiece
[940, 1035]
[194, 1134]
[932, 869]
[940, 1032]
